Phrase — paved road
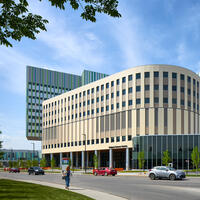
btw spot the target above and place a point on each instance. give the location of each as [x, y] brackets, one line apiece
[131, 187]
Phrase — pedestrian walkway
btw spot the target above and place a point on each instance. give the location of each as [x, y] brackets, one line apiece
[90, 193]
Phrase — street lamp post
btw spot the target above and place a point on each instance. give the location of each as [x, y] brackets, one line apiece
[85, 152]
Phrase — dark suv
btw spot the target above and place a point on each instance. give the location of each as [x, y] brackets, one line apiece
[35, 170]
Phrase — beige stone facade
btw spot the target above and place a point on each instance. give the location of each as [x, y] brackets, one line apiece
[144, 100]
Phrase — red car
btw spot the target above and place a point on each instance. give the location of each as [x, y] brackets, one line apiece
[14, 170]
[105, 171]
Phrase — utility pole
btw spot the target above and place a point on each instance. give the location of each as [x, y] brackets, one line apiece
[85, 152]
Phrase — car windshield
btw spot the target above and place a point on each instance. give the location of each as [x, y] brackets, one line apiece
[36, 168]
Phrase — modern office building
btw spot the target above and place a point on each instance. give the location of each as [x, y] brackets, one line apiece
[42, 84]
[15, 155]
[146, 108]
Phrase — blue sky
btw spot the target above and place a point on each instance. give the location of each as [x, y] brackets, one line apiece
[149, 32]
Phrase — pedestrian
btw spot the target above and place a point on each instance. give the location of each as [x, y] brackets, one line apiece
[66, 175]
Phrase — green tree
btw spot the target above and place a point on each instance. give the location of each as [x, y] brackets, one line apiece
[23, 164]
[10, 164]
[16, 21]
[43, 162]
[141, 159]
[1, 153]
[53, 163]
[166, 158]
[35, 163]
[195, 157]
[95, 161]
[29, 163]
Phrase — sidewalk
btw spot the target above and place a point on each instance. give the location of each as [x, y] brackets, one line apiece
[90, 193]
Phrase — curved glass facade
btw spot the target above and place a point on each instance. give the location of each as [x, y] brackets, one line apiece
[179, 146]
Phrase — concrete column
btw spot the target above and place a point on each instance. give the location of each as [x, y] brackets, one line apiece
[83, 159]
[110, 158]
[71, 158]
[60, 160]
[77, 159]
[127, 159]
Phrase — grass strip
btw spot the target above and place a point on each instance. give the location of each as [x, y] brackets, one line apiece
[17, 190]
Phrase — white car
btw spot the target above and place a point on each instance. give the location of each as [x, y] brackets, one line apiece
[164, 172]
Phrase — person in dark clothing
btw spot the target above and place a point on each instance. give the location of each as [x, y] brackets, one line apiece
[67, 174]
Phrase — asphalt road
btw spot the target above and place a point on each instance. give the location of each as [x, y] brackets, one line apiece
[130, 187]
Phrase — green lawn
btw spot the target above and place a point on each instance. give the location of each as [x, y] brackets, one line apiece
[17, 190]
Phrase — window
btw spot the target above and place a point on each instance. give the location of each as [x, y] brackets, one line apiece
[146, 74]
[129, 137]
[92, 111]
[102, 98]
[97, 88]
[156, 100]
[92, 141]
[165, 74]
[107, 85]
[112, 139]
[84, 114]
[156, 74]
[84, 103]
[97, 110]
[92, 101]
[130, 102]
[165, 100]
[80, 94]
[182, 77]
[130, 90]
[107, 140]
[107, 96]
[146, 87]
[123, 79]
[174, 88]
[102, 140]
[97, 141]
[138, 88]
[117, 139]
[107, 108]
[102, 87]
[83, 93]
[88, 112]
[182, 102]
[182, 89]
[138, 76]
[189, 92]
[102, 109]
[156, 87]
[92, 90]
[189, 79]
[97, 99]
[123, 91]
[117, 81]
[189, 103]
[123, 138]
[174, 101]
[112, 83]
[117, 105]
[112, 106]
[123, 103]
[88, 102]
[117, 93]
[88, 92]
[165, 87]
[112, 95]
[174, 75]
[146, 100]
[137, 101]
[130, 77]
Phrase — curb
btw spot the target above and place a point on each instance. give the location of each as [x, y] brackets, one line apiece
[87, 192]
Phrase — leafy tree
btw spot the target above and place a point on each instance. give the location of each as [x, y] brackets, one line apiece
[23, 164]
[43, 162]
[15, 164]
[95, 161]
[166, 158]
[1, 153]
[10, 164]
[35, 163]
[141, 159]
[195, 158]
[16, 21]
[29, 163]
[53, 163]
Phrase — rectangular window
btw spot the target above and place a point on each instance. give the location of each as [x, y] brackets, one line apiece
[88, 92]
[165, 87]
[107, 108]
[102, 109]
[107, 140]
[130, 90]
[117, 93]
[165, 74]
[182, 89]
[174, 101]
[117, 139]
[97, 88]
[117, 81]
[102, 98]
[102, 140]
[156, 74]
[156, 87]
[146, 74]
[107, 85]
[189, 79]
[123, 138]
[123, 91]
[138, 75]
[123, 79]
[146, 87]
[182, 77]
[112, 106]
[112, 95]
[137, 101]
[130, 102]
[107, 96]
[146, 100]
[97, 110]
[92, 90]
[182, 102]
[97, 99]
[130, 77]
[123, 103]
[112, 139]
[174, 88]
[97, 141]
[174, 75]
[102, 87]
[165, 100]
[138, 88]
[117, 105]
[112, 83]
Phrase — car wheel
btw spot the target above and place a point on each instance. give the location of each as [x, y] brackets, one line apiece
[106, 174]
[95, 173]
[152, 176]
[113, 174]
[172, 177]
[35, 173]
